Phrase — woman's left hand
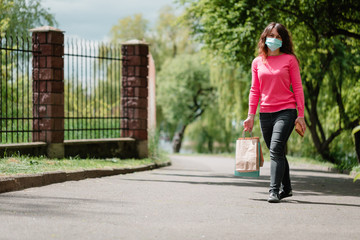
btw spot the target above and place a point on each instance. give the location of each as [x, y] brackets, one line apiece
[301, 121]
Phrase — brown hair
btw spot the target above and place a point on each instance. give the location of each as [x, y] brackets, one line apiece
[287, 45]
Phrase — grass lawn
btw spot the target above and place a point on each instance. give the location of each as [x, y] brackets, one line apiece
[29, 165]
[291, 159]
[308, 161]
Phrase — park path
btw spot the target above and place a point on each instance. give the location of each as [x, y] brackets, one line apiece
[196, 198]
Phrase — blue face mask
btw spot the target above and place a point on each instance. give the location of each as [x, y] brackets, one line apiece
[273, 43]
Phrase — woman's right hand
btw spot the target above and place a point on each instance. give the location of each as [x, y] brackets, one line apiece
[249, 123]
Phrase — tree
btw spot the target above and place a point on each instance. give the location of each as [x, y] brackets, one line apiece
[131, 27]
[232, 28]
[231, 83]
[184, 92]
[169, 37]
[17, 17]
[212, 132]
[325, 33]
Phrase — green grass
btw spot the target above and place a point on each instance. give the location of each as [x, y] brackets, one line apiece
[18, 165]
[309, 161]
[356, 169]
[291, 159]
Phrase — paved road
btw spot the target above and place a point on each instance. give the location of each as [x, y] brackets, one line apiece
[195, 198]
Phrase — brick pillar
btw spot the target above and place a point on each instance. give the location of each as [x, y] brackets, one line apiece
[135, 93]
[48, 89]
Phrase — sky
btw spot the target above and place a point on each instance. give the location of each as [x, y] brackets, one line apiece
[93, 19]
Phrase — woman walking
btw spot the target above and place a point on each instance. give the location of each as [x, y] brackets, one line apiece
[274, 73]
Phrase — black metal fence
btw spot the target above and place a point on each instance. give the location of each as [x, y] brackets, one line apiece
[92, 90]
[92, 76]
[16, 110]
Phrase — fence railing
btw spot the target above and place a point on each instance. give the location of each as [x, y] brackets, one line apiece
[16, 110]
[92, 90]
[52, 90]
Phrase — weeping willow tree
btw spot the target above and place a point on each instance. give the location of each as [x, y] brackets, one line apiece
[184, 93]
[221, 124]
[232, 84]
[213, 132]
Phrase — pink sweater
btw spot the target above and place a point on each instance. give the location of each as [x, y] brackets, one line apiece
[271, 84]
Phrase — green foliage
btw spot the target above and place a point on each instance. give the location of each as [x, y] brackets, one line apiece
[212, 133]
[326, 42]
[131, 27]
[357, 172]
[355, 130]
[16, 91]
[221, 124]
[356, 168]
[87, 128]
[232, 84]
[17, 17]
[153, 144]
[169, 37]
[357, 177]
[96, 100]
[97, 109]
[29, 165]
[228, 28]
[155, 152]
[183, 89]
[231, 28]
[333, 88]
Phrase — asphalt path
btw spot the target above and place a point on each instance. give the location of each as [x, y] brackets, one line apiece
[196, 198]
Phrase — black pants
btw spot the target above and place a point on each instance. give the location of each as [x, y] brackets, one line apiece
[276, 129]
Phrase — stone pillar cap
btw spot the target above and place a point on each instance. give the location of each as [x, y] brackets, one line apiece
[46, 29]
[135, 42]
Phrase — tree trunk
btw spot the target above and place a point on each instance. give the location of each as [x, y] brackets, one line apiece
[177, 139]
[357, 145]
[322, 149]
[210, 144]
[317, 132]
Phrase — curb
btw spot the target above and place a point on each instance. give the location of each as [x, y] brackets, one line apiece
[16, 183]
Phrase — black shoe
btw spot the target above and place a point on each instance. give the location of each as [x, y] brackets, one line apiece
[274, 198]
[284, 194]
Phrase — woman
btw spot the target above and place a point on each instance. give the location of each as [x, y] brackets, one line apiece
[274, 72]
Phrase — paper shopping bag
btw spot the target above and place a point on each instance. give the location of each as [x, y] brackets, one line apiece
[248, 157]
